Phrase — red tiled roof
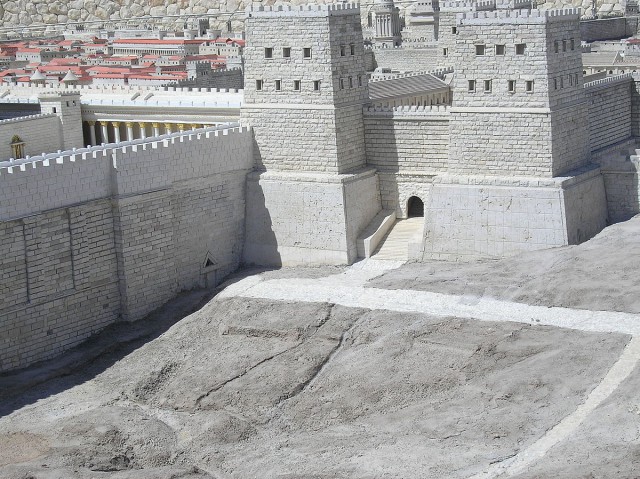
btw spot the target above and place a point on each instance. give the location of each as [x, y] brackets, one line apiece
[157, 41]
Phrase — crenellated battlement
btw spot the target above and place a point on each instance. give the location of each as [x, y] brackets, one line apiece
[27, 118]
[609, 81]
[13, 166]
[308, 10]
[467, 5]
[406, 111]
[518, 16]
[111, 88]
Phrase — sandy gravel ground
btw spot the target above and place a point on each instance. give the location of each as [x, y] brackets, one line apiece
[249, 387]
[601, 274]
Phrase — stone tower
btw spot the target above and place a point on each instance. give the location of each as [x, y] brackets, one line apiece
[424, 20]
[519, 171]
[447, 23]
[67, 106]
[305, 86]
[387, 23]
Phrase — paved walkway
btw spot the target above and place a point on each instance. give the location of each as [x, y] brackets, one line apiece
[348, 289]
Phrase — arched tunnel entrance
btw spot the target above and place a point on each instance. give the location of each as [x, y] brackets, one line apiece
[415, 207]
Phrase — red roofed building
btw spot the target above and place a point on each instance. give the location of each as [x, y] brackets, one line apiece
[169, 46]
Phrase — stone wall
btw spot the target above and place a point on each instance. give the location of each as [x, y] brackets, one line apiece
[609, 111]
[100, 234]
[39, 133]
[232, 78]
[311, 219]
[484, 216]
[33, 12]
[408, 146]
[607, 28]
[409, 59]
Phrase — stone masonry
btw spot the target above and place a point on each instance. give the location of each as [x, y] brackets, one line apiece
[305, 89]
[123, 230]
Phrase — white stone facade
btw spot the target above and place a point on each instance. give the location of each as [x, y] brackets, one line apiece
[111, 232]
[92, 236]
[305, 89]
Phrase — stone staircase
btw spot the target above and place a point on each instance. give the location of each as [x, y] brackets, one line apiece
[395, 245]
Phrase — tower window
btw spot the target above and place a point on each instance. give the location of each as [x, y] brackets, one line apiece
[529, 86]
[316, 85]
[341, 84]
[268, 52]
[454, 30]
[500, 49]
[259, 85]
[573, 43]
[512, 86]
[342, 50]
[278, 85]
[359, 80]
[296, 85]
[445, 51]
[520, 48]
[555, 83]
[350, 82]
[286, 52]
[564, 45]
[480, 49]
[306, 53]
[487, 86]
[472, 86]
[352, 49]
[555, 46]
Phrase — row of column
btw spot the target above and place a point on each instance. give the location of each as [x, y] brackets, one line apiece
[110, 130]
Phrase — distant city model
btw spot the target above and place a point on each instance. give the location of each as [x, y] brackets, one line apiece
[478, 117]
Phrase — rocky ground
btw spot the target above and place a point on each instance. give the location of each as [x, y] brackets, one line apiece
[273, 388]
[37, 12]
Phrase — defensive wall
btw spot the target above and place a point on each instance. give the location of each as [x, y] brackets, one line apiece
[40, 133]
[228, 79]
[108, 233]
[595, 29]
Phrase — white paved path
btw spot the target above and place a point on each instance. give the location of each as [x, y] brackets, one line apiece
[348, 289]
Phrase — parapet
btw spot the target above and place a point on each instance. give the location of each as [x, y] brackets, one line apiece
[467, 5]
[505, 17]
[400, 112]
[609, 81]
[55, 180]
[27, 118]
[308, 10]
[14, 166]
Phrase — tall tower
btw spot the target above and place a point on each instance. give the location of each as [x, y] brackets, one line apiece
[67, 106]
[424, 20]
[305, 86]
[387, 23]
[519, 171]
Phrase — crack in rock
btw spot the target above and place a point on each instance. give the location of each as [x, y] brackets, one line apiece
[302, 341]
[303, 386]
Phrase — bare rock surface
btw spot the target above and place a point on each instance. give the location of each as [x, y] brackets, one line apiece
[600, 274]
[61, 11]
[257, 388]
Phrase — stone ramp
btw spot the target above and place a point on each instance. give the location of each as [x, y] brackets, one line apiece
[395, 245]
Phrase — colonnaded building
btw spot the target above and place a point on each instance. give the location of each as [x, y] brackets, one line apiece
[504, 150]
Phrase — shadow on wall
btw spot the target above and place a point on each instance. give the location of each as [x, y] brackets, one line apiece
[382, 154]
[95, 355]
[261, 244]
